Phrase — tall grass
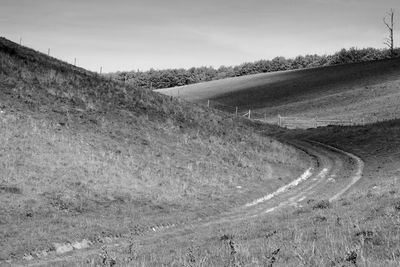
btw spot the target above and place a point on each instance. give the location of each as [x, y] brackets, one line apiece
[82, 156]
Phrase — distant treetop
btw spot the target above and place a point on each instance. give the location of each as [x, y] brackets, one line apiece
[157, 79]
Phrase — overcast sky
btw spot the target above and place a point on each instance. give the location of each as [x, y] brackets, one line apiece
[143, 34]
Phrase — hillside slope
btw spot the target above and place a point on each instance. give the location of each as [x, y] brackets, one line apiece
[351, 91]
[360, 229]
[82, 156]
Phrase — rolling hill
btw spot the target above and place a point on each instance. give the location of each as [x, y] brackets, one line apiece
[353, 91]
[360, 229]
[84, 157]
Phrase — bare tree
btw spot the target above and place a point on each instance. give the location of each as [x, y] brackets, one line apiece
[390, 26]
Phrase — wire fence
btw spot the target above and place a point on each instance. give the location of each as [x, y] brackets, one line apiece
[301, 122]
[282, 121]
[235, 110]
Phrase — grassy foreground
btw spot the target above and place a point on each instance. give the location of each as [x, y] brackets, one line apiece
[84, 157]
[361, 229]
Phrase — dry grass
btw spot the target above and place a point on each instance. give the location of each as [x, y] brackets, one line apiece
[85, 157]
[61, 185]
[353, 232]
[361, 229]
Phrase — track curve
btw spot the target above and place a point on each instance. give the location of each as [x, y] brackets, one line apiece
[331, 174]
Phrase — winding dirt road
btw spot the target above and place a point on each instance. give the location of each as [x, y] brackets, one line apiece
[331, 174]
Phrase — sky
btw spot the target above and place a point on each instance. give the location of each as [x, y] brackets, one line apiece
[124, 35]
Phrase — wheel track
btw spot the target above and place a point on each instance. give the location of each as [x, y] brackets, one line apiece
[327, 162]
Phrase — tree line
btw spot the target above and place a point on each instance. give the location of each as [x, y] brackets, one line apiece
[157, 79]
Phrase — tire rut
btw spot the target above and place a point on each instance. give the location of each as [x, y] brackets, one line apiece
[327, 162]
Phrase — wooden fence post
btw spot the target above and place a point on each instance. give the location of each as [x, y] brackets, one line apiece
[208, 103]
[249, 114]
[236, 111]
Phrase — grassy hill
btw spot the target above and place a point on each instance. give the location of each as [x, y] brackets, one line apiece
[82, 156]
[351, 91]
[360, 229]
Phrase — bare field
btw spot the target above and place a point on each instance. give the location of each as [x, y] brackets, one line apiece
[353, 91]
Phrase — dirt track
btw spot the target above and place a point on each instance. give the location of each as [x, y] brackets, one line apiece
[330, 176]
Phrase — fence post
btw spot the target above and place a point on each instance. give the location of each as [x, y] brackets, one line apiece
[208, 103]
[249, 113]
[236, 111]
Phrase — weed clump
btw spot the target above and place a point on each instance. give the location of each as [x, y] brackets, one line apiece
[367, 234]
[352, 257]
[10, 189]
[323, 204]
[226, 237]
[397, 206]
[190, 257]
[320, 219]
[272, 258]
[106, 259]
